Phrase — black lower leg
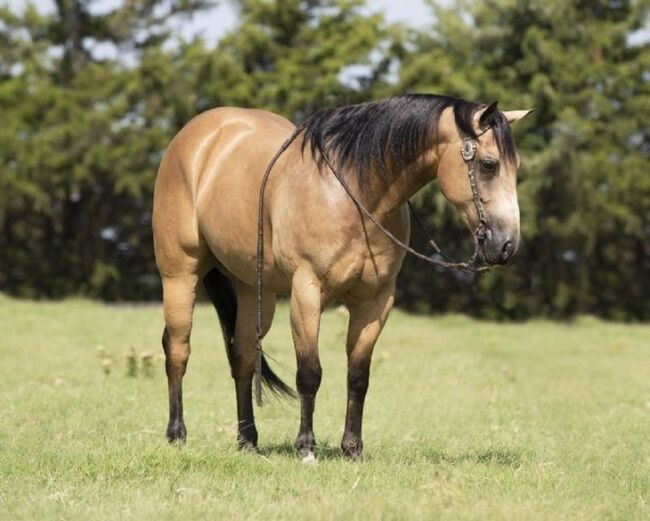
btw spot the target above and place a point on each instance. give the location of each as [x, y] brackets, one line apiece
[352, 443]
[308, 380]
[176, 430]
[246, 431]
[306, 441]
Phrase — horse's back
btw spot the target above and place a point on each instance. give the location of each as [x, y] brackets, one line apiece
[210, 136]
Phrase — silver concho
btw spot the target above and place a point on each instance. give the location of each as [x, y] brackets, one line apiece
[468, 149]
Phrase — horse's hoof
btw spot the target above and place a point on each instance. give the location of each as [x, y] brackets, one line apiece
[176, 433]
[309, 459]
[354, 455]
[305, 445]
[247, 446]
[352, 447]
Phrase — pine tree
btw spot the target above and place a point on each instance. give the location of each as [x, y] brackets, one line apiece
[75, 150]
[294, 57]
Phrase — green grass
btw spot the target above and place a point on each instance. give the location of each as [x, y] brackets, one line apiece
[464, 420]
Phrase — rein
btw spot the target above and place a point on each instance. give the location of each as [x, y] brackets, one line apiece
[468, 153]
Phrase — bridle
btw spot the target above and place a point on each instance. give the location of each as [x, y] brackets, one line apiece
[467, 152]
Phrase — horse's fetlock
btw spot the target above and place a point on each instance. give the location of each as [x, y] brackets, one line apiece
[176, 431]
[352, 446]
[305, 443]
[247, 438]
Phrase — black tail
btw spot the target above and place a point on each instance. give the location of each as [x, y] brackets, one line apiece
[223, 297]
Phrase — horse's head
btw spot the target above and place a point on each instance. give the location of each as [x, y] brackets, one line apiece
[494, 163]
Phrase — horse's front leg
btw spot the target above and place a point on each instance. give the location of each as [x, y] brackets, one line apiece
[305, 322]
[366, 322]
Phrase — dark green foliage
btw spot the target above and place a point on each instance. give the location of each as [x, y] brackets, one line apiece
[82, 134]
[78, 147]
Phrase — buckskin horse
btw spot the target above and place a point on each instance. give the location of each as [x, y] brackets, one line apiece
[333, 223]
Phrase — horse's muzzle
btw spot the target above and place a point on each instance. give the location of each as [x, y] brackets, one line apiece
[499, 248]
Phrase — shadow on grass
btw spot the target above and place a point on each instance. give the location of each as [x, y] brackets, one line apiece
[286, 449]
[502, 457]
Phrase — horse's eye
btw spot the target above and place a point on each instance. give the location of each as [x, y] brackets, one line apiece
[489, 166]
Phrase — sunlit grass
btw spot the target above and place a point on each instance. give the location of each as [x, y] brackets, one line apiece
[464, 420]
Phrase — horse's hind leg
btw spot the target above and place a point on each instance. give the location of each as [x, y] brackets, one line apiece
[178, 299]
[181, 257]
[243, 358]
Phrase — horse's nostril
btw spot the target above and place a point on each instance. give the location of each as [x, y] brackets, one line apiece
[507, 250]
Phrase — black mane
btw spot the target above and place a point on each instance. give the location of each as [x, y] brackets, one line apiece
[363, 137]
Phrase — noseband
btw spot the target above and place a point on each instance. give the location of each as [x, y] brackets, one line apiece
[467, 152]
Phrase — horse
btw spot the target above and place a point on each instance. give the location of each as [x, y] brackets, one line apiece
[318, 247]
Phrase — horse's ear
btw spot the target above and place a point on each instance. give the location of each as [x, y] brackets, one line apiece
[485, 114]
[516, 115]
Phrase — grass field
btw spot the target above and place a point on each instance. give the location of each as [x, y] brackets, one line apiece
[464, 420]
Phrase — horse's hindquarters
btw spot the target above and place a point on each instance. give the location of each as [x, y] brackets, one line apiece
[208, 186]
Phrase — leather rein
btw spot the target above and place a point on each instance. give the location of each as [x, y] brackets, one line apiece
[467, 152]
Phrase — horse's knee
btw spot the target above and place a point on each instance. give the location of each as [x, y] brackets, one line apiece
[358, 378]
[308, 376]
